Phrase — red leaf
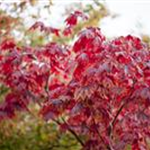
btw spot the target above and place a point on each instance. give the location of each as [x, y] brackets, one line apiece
[7, 44]
[90, 40]
[42, 27]
[72, 19]
[67, 31]
[38, 24]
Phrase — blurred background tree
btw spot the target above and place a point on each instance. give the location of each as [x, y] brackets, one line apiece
[146, 38]
[15, 19]
[15, 15]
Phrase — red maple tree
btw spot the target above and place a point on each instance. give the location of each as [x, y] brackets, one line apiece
[98, 90]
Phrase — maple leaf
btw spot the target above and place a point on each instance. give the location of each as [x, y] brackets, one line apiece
[7, 44]
[40, 25]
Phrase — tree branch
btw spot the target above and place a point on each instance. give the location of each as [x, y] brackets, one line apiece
[125, 102]
[101, 138]
[71, 131]
[117, 114]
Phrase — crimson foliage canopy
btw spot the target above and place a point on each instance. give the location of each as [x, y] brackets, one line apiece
[97, 89]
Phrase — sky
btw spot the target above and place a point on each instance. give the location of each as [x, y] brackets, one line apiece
[133, 18]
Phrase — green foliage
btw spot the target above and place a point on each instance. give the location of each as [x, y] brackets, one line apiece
[28, 132]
